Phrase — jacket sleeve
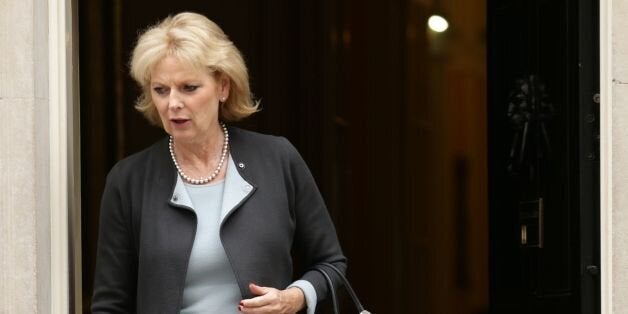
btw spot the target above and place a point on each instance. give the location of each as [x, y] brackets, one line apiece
[115, 274]
[315, 238]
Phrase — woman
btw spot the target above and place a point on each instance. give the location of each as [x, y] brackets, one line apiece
[207, 219]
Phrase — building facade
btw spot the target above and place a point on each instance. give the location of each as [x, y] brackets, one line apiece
[39, 205]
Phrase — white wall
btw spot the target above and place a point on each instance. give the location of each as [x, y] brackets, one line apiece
[24, 150]
[614, 151]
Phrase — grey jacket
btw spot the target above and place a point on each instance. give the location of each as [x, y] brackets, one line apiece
[146, 233]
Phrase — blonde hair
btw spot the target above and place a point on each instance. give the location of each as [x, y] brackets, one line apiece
[193, 39]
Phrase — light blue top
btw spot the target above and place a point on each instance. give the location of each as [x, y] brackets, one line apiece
[210, 284]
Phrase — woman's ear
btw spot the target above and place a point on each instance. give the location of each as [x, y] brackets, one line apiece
[225, 86]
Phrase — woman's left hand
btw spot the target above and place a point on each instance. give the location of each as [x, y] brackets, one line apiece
[271, 300]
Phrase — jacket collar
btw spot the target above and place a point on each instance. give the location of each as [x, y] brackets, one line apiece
[236, 191]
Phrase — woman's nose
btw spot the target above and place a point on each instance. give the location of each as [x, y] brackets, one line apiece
[174, 101]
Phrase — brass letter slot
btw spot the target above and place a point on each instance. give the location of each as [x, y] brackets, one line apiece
[531, 223]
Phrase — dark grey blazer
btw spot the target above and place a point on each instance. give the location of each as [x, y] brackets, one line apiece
[146, 236]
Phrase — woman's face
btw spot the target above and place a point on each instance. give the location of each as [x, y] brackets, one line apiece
[187, 99]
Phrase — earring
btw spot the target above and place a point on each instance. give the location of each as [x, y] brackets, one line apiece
[223, 99]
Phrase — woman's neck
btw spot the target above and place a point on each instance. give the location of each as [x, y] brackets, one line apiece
[202, 154]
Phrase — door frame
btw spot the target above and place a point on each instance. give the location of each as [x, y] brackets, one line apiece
[606, 155]
[64, 158]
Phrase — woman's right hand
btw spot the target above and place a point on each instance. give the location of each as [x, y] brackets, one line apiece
[273, 301]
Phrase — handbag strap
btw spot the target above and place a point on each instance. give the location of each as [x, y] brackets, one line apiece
[346, 284]
[330, 285]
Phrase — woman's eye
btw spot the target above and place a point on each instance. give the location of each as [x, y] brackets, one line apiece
[190, 88]
[159, 90]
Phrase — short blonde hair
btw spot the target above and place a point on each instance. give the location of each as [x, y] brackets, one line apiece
[193, 39]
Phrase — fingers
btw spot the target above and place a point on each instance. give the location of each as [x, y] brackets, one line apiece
[265, 296]
[268, 300]
[257, 301]
[258, 290]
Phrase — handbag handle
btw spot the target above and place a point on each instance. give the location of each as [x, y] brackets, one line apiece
[330, 285]
[346, 284]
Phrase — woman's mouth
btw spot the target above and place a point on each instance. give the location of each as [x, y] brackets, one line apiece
[179, 122]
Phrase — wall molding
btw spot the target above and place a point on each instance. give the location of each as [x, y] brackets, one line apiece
[65, 239]
[58, 104]
[606, 155]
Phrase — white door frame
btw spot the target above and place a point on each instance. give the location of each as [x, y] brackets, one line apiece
[65, 223]
[606, 155]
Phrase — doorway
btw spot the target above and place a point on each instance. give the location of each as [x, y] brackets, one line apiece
[391, 118]
[543, 156]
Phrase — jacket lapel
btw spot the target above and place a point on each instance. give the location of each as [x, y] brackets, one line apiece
[236, 190]
[180, 196]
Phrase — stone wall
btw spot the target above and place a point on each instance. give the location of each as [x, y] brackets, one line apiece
[619, 59]
[24, 178]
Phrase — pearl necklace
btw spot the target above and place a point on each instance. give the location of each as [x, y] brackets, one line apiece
[214, 174]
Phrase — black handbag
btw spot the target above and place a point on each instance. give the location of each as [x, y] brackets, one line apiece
[323, 268]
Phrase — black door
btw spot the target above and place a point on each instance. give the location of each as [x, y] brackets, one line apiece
[543, 145]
